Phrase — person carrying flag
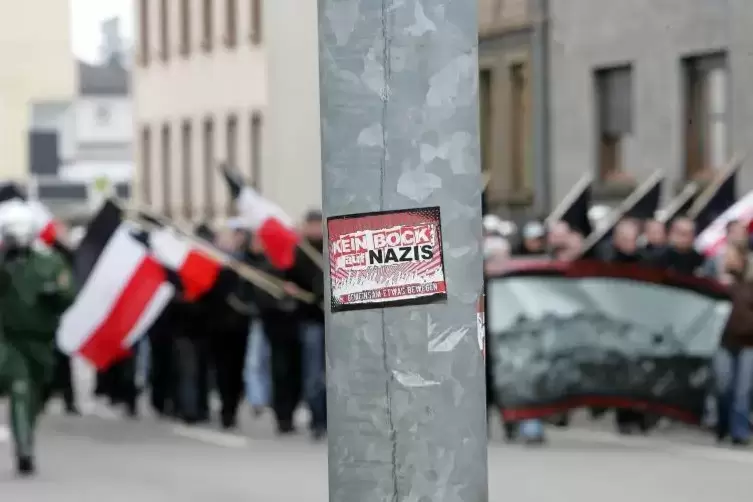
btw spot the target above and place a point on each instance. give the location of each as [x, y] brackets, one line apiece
[35, 290]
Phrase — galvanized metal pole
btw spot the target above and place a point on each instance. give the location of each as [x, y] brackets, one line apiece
[406, 390]
[540, 74]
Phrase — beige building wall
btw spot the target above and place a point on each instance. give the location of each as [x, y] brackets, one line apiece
[206, 81]
[37, 65]
[292, 174]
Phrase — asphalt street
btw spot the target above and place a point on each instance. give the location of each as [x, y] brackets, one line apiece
[103, 457]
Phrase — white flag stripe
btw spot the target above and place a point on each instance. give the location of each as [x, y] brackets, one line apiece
[255, 209]
[169, 249]
[157, 304]
[118, 262]
[716, 232]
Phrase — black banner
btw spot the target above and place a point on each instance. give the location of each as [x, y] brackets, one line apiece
[587, 333]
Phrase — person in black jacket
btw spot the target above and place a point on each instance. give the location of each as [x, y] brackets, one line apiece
[312, 335]
[624, 249]
[680, 255]
[226, 322]
[655, 234]
[281, 320]
[62, 383]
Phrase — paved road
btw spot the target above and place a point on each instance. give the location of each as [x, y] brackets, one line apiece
[100, 457]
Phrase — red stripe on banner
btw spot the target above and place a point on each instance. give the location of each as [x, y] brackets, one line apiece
[49, 233]
[105, 345]
[199, 273]
[534, 412]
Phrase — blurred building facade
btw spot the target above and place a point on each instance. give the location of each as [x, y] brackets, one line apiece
[38, 66]
[82, 146]
[643, 85]
[608, 88]
[199, 90]
[510, 106]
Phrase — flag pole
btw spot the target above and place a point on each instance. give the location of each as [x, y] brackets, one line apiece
[486, 178]
[676, 204]
[267, 282]
[623, 208]
[708, 193]
[571, 197]
[312, 253]
[253, 276]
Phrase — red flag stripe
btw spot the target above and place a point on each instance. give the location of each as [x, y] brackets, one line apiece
[198, 273]
[105, 344]
[279, 242]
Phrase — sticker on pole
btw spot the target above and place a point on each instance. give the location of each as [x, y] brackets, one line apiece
[388, 258]
[481, 325]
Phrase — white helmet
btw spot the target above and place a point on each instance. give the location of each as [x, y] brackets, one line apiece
[18, 223]
[76, 235]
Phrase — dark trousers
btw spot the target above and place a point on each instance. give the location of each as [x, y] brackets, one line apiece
[192, 389]
[314, 374]
[62, 381]
[162, 376]
[229, 355]
[119, 383]
[285, 350]
[627, 420]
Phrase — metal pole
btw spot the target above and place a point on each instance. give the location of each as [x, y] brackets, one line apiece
[540, 76]
[406, 386]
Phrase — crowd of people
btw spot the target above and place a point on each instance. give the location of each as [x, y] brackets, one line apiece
[244, 345]
[247, 344]
[656, 244]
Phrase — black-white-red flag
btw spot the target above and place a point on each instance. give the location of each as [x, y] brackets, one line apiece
[198, 271]
[123, 289]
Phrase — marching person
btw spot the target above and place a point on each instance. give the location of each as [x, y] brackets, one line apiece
[62, 383]
[733, 363]
[624, 249]
[312, 340]
[35, 290]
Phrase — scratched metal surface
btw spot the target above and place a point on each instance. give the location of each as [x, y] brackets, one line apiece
[399, 82]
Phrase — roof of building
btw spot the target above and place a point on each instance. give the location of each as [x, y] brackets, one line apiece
[108, 79]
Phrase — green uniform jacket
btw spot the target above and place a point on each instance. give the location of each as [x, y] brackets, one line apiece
[31, 303]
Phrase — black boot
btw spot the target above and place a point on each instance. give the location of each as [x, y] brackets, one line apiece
[740, 442]
[25, 466]
[228, 419]
[285, 427]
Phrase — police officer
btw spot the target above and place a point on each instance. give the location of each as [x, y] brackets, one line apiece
[35, 290]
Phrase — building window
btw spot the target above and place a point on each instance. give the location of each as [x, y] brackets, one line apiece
[166, 161]
[256, 7]
[208, 25]
[706, 115]
[146, 164]
[232, 141]
[255, 160]
[186, 144]
[164, 15]
[255, 174]
[144, 31]
[485, 114]
[209, 168]
[231, 23]
[185, 27]
[231, 147]
[519, 126]
[615, 119]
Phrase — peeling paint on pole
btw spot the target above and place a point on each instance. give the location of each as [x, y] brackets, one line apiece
[399, 104]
